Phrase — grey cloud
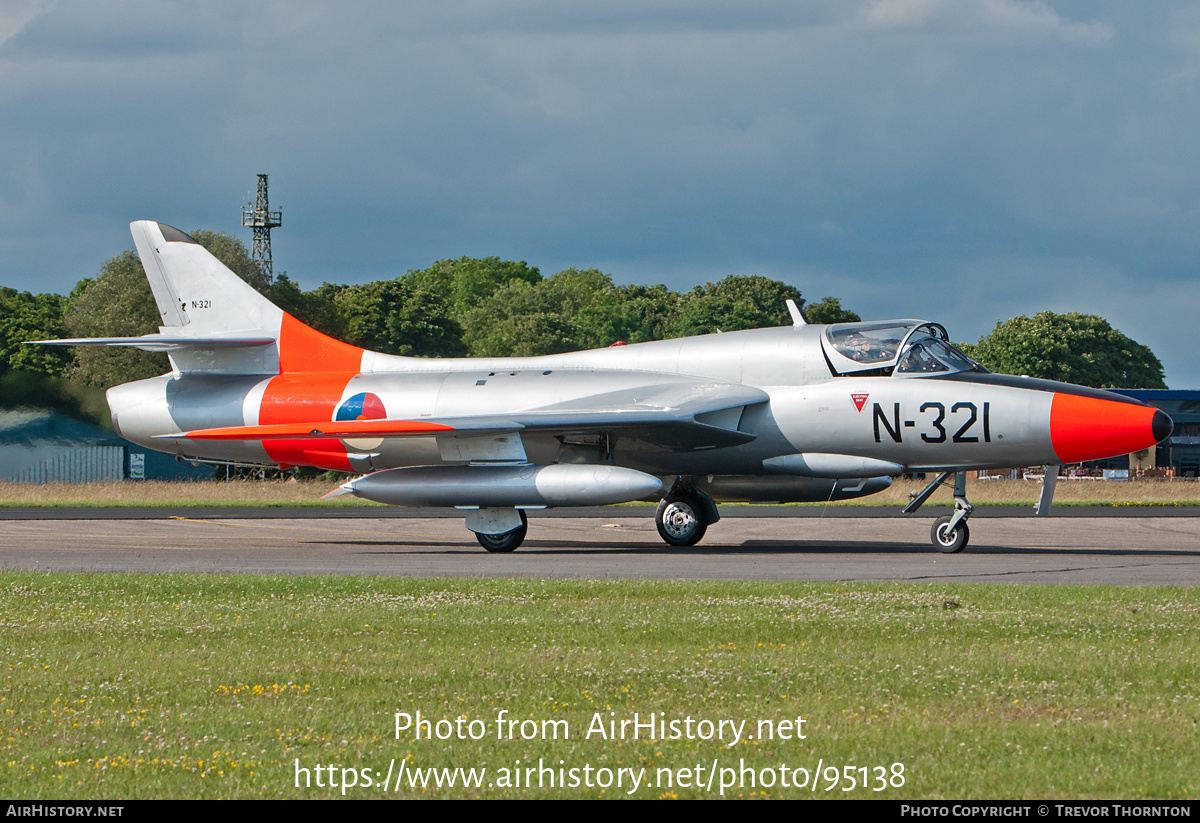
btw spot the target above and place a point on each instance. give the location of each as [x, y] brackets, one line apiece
[15, 15]
[878, 150]
[1027, 18]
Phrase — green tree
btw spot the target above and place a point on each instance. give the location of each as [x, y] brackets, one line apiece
[318, 308]
[632, 314]
[519, 319]
[397, 317]
[29, 375]
[829, 310]
[25, 316]
[465, 282]
[735, 302]
[1074, 348]
[574, 309]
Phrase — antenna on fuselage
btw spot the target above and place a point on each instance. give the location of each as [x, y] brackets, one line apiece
[797, 317]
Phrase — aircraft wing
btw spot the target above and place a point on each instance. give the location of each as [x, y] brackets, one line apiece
[308, 431]
[672, 415]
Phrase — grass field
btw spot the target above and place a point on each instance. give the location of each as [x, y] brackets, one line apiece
[1158, 492]
[158, 493]
[218, 686]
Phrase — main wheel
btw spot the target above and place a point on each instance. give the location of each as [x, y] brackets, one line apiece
[680, 520]
[946, 541]
[508, 541]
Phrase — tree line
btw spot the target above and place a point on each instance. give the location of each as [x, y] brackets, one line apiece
[478, 307]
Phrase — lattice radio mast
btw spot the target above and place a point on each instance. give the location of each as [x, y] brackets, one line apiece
[259, 217]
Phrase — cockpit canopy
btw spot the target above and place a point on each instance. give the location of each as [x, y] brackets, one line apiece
[905, 348]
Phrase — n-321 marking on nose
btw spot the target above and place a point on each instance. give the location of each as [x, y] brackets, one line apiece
[936, 418]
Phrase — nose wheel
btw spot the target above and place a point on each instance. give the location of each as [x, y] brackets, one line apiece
[949, 539]
[949, 534]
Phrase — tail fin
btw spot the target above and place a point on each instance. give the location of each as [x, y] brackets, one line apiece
[216, 322]
[198, 296]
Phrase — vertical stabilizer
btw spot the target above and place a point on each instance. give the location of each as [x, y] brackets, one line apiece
[194, 289]
[199, 297]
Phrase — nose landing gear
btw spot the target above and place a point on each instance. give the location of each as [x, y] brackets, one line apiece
[949, 534]
[950, 537]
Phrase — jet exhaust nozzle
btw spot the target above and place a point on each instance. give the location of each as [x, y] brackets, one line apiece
[493, 486]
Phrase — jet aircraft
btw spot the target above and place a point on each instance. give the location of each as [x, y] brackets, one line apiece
[796, 413]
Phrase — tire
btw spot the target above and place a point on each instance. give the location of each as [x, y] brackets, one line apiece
[507, 542]
[949, 542]
[680, 520]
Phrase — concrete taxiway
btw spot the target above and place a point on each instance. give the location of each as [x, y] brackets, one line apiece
[772, 544]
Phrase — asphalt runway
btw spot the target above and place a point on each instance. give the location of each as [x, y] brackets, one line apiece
[748, 544]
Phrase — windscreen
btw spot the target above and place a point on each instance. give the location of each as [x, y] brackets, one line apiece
[926, 354]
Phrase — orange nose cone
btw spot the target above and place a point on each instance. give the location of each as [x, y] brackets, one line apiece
[1088, 428]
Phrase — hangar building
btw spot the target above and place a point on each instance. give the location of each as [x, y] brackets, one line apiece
[1181, 450]
[39, 446]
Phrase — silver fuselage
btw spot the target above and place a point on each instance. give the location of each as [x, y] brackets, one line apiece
[912, 422]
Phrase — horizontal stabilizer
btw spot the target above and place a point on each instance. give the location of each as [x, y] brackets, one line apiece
[168, 342]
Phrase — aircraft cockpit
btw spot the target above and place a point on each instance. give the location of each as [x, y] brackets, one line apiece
[904, 348]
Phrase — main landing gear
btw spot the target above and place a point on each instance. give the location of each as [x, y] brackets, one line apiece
[949, 534]
[499, 530]
[684, 515]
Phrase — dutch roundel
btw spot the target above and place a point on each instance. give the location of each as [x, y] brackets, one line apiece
[364, 406]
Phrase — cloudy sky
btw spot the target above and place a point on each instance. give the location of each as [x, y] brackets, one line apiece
[957, 160]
